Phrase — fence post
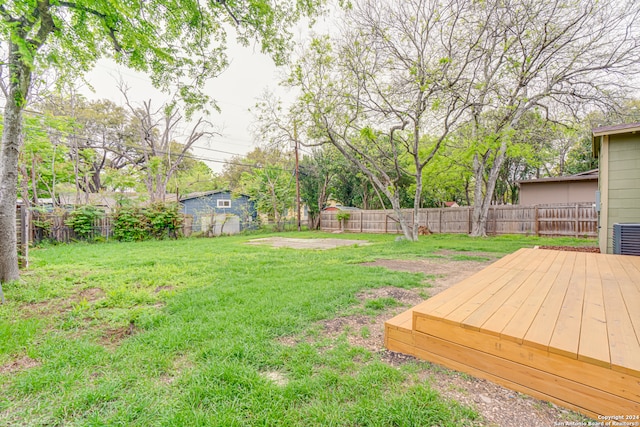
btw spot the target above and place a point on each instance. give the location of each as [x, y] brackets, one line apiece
[440, 221]
[469, 223]
[361, 221]
[495, 222]
[537, 221]
[577, 221]
[23, 244]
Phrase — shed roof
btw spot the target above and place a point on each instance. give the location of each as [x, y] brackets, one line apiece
[200, 194]
[591, 175]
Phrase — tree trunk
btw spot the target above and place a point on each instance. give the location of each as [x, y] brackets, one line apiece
[19, 82]
[416, 205]
[482, 201]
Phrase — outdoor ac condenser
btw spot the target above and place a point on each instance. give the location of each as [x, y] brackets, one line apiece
[626, 239]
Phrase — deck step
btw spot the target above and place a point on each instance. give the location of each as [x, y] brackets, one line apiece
[552, 324]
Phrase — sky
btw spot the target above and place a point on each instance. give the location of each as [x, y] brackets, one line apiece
[236, 90]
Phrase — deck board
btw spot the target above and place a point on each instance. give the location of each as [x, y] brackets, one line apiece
[541, 329]
[528, 310]
[562, 326]
[565, 339]
[594, 339]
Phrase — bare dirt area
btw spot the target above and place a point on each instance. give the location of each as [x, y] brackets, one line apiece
[441, 272]
[497, 405]
[317, 244]
[20, 364]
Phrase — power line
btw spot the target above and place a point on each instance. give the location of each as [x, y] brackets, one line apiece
[163, 152]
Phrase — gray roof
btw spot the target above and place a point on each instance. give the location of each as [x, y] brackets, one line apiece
[200, 194]
[591, 175]
[617, 129]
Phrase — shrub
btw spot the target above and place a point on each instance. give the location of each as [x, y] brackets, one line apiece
[82, 221]
[164, 220]
[130, 224]
[160, 220]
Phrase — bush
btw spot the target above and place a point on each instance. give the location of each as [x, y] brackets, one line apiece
[82, 221]
[160, 220]
[164, 220]
[130, 224]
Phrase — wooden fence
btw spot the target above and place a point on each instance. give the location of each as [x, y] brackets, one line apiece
[22, 235]
[52, 226]
[576, 220]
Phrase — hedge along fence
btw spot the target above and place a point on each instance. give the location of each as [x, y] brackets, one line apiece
[576, 220]
[129, 223]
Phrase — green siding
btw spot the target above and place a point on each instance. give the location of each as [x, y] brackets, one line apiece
[624, 203]
[624, 181]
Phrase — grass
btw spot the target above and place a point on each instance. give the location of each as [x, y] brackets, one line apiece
[187, 332]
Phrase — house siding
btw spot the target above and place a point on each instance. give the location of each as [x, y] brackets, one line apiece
[208, 204]
[623, 181]
[539, 193]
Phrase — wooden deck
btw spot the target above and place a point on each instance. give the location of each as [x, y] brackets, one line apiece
[560, 326]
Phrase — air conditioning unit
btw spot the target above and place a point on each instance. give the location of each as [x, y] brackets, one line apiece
[626, 239]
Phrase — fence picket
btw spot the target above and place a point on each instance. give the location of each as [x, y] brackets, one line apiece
[575, 220]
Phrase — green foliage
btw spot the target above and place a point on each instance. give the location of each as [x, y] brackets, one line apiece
[160, 221]
[343, 216]
[82, 221]
[272, 188]
[164, 220]
[130, 224]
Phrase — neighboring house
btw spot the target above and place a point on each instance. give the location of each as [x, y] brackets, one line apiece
[218, 212]
[340, 208]
[618, 148]
[451, 205]
[107, 201]
[578, 188]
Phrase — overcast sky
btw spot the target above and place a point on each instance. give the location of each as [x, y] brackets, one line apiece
[236, 90]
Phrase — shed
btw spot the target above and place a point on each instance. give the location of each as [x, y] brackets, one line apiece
[219, 212]
[578, 188]
[618, 148]
[340, 208]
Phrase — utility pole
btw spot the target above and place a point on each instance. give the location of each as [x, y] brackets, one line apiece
[295, 140]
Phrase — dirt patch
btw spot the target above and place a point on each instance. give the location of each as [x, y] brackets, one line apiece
[180, 365]
[441, 272]
[276, 377]
[20, 364]
[90, 294]
[407, 297]
[497, 405]
[111, 338]
[317, 244]
[163, 288]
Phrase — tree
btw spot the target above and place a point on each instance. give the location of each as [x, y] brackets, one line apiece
[256, 158]
[272, 188]
[388, 91]
[160, 153]
[317, 176]
[180, 44]
[555, 56]
[100, 138]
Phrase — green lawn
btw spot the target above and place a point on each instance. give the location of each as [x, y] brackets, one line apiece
[191, 332]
